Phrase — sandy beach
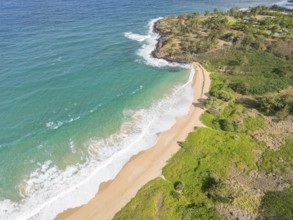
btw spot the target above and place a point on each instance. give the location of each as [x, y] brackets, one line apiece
[147, 165]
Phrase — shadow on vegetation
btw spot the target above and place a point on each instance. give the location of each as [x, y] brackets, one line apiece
[276, 206]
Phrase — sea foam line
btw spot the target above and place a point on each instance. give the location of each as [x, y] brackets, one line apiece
[136, 37]
[76, 185]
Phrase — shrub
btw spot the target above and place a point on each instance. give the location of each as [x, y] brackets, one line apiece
[241, 87]
[227, 125]
[223, 92]
[277, 205]
[272, 104]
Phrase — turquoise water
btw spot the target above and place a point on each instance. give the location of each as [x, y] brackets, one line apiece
[79, 95]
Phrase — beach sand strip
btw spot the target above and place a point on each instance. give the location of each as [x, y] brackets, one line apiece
[147, 165]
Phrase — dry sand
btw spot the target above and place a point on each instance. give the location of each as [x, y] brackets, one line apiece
[147, 165]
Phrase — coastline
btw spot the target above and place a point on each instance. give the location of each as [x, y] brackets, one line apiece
[160, 42]
[146, 165]
[46, 194]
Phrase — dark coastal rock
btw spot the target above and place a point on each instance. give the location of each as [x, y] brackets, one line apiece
[161, 41]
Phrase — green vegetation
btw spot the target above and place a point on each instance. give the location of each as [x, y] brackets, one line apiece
[280, 104]
[261, 28]
[252, 49]
[280, 161]
[277, 205]
[194, 178]
[207, 118]
[222, 168]
[223, 110]
[196, 159]
[254, 123]
[252, 72]
[160, 201]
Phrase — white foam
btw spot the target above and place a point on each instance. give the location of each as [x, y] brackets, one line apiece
[54, 125]
[243, 9]
[136, 37]
[72, 146]
[49, 190]
[58, 124]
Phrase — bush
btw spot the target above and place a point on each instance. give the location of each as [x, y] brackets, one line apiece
[227, 125]
[241, 87]
[277, 205]
[223, 92]
[274, 103]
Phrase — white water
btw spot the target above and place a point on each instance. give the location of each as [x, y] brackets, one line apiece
[58, 124]
[136, 37]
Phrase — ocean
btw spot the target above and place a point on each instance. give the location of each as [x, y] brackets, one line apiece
[80, 94]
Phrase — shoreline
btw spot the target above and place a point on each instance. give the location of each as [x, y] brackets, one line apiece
[146, 165]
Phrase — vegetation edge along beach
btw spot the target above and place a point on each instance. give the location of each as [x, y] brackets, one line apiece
[237, 162]
[240, 165]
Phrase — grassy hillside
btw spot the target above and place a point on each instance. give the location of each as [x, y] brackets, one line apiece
[240, 165]
[195, 178]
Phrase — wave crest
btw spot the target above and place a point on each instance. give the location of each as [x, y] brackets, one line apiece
[136, 37]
